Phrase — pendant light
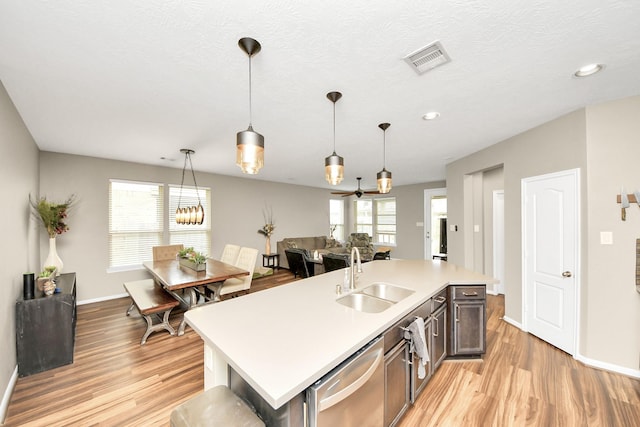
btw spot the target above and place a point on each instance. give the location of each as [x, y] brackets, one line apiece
[384, 176]
[334, 164]
[194, 214]
[249, 144]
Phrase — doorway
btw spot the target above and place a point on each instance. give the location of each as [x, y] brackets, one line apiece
[435, 223]
[550, 243]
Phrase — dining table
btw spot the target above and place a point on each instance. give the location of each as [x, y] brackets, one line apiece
[177, 279]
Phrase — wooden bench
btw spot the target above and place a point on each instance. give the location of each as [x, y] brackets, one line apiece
[150, 299]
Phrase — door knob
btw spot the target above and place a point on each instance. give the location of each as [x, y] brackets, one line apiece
[566, 274]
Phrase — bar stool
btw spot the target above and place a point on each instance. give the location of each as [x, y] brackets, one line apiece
[218, 406]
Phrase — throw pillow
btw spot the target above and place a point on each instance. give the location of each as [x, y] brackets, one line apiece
[291, 245]
[331, 243]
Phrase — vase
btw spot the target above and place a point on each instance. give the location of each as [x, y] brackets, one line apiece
[267, 246]
[53, 258]
[192, 265]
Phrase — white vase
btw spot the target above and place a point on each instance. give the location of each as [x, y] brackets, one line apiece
[267, 246]
[53, 258]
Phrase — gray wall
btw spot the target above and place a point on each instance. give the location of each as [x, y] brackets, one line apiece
[611, 311]
[409, 212]
[237, 213]
[18, 178]
[602, 141]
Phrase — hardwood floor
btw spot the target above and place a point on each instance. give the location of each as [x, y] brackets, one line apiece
[114, 381]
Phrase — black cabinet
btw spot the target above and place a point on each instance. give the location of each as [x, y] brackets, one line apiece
[468, 307]
[46, 328]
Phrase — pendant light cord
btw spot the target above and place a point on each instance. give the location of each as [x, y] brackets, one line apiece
[187, 155]
[384, 150]
[250, 105]
[334, 127]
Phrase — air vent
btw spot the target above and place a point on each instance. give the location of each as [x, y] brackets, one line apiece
[428, 57]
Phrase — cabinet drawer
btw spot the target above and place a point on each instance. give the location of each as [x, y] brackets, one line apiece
[395, 334]
[468, 292]
[439, 300]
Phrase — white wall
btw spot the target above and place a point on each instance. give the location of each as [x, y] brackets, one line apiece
[18, 178]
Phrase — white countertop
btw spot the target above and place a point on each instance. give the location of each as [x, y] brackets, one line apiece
[282, 340]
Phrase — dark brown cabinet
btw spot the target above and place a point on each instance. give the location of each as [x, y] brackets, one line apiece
[46, 328]
[396, 384]
[467, 314]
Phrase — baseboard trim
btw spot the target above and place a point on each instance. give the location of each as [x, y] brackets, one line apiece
[634, 373]
[101, 299]
[6, 398]
[598, 364]
[513, 322]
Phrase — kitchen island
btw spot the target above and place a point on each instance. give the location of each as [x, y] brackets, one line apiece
[282, 340]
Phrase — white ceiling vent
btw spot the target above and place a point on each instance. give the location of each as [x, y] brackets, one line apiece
[428, 57]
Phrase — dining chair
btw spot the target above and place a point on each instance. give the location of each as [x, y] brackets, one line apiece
[297, 262]
[335, 261]
[239, 285]
[230, 254]
[161, 253]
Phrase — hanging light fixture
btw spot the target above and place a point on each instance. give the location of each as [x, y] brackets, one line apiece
[384, 176]
[249, 144]
[193, 214]
[334, 164]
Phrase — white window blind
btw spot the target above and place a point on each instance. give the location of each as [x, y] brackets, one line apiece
[196, 236]
[135, 222]
[386, 220]
[336, 218]
[364, 216]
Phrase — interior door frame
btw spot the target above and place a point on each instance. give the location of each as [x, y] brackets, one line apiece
[498, 221]
[575, 174]
[428, 194]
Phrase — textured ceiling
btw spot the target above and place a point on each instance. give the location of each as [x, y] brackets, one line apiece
[137, 80]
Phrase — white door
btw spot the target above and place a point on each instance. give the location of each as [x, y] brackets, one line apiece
[498, 239]
[435, 208]
[550, 253]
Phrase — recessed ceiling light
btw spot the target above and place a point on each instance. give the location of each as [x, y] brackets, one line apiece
[431, 115]
[588, 70]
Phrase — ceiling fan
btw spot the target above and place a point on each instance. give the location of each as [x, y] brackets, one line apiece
[358, 193]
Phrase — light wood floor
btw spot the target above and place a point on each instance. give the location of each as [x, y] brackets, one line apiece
[114, 381]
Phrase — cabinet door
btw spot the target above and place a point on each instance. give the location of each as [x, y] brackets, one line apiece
[396, 384]
[438, 337]
[418, 384]
[468, 327]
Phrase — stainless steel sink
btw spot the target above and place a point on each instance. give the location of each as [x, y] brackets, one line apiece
[387, 292]
[365, 303]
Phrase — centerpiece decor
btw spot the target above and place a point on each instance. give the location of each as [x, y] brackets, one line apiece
[53, 217]
[189, 258]
[267, 229]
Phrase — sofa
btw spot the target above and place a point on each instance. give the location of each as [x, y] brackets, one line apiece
[322, 244]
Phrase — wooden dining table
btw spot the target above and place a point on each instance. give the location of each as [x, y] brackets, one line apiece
[175, 278]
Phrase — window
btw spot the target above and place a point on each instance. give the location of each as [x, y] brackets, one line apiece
[336, 218]
[135, 222]
[140, 218]
[364, 216]
[377, 217]
[196, 236]
[385, 214]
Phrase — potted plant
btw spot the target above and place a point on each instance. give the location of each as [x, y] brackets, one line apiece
[46, 281]
[189, 258]
[53, 217]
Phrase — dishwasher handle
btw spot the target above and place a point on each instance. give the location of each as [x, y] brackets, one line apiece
[353, 387]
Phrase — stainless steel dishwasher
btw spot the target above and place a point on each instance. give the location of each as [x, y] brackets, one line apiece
[352, 394]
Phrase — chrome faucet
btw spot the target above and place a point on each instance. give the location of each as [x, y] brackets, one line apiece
[352, 282]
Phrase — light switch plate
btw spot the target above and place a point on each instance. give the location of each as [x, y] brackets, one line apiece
[606, 238]
[419, 224]
[476, 228]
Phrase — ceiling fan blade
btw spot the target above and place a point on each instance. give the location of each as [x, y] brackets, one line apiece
[371, 192]
[346, 193]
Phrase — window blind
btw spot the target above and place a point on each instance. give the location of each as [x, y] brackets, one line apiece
[135, 222]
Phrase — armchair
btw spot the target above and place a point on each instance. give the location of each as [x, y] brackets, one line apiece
[297, 259]
[362, 241]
